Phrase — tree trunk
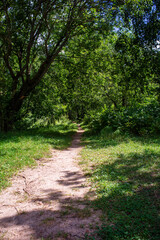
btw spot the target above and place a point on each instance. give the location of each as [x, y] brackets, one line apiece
[11, 114]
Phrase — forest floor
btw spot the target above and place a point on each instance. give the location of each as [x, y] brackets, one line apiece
[49, 201]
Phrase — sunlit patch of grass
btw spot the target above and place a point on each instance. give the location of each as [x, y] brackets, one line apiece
[22, 148]
[125, 173]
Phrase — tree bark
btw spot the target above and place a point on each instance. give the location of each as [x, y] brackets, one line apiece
[11, 113]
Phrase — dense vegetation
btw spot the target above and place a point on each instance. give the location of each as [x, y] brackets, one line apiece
[81, 59]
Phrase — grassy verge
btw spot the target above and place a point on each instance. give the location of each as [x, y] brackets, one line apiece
[22, 148]
[125, 173]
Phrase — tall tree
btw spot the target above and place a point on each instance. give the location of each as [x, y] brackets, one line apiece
[32, 33]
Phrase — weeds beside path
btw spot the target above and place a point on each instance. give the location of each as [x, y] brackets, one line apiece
[49, 201]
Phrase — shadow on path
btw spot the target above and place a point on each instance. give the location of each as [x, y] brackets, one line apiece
[50, 201]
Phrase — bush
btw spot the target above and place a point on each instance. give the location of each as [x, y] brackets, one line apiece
[139, 120]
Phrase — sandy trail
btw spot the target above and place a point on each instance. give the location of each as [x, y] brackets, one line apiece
[50, 201]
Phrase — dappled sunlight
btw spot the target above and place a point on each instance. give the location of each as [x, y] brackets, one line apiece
[126, 178]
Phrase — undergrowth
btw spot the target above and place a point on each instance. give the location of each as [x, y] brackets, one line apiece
[22, 148]
[124, 170]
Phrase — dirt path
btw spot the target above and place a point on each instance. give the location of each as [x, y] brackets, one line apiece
[50, 201]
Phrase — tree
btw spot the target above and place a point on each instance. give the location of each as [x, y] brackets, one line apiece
[32, 34]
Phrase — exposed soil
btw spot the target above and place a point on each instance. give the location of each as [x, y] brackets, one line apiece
[51, 201]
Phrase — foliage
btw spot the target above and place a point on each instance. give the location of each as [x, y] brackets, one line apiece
[96, 60]
[143, 18]
[124, 171]
[114, 72]
[138, 119]
[22, 148]
[43, 103]
[32, 34]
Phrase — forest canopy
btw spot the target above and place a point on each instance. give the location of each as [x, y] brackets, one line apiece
[96, 61]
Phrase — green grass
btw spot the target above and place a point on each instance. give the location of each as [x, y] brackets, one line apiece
[125, 173]
[22, 148]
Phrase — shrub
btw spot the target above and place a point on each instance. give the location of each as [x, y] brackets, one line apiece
[139, 120]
